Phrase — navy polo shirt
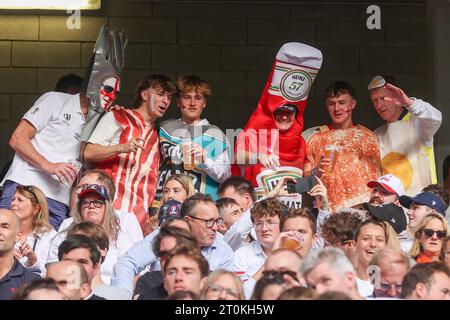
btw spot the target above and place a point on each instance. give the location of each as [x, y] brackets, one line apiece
[17, 276]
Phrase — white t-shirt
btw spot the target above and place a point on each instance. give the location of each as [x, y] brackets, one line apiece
[109, 124]
[365, 287]
[58, 120]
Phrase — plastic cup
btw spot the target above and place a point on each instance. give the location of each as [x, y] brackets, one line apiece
[77, 164]
[293, 242]
[290, 244]
[188, 158]
[331, 152]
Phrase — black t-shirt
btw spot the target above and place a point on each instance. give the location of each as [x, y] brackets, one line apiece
[150, 286]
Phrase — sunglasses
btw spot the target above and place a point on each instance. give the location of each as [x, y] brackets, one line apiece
[27, 189]
[441, 234]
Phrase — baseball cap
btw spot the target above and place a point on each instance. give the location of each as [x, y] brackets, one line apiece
[287, 107]
[389, 182]
[100, 190]
[170, 209]
[428, 199]
[391, 213]
[379, 81]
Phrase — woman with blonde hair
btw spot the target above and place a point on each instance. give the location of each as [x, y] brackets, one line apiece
[177, 187]
[30, 205]
[428, 244]
[94, 205]
[222, 285]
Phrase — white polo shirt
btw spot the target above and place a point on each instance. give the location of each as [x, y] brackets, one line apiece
[58, 120]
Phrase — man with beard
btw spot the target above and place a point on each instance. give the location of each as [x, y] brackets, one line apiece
[386, 189]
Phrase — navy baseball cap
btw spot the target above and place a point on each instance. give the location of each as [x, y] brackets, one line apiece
[287, 107]
[170, 209]
[95, 188]
[428, 199]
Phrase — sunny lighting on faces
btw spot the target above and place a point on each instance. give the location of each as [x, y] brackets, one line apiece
[51, 4]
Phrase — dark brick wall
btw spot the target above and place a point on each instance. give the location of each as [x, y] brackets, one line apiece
[231, 44]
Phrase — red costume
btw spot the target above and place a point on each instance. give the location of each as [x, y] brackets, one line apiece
[293, 72]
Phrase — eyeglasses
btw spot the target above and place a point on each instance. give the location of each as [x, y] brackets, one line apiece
[386, 286]
[441, 234]
[87, 203]
[209, 222]
[217, 290]
[269, 224]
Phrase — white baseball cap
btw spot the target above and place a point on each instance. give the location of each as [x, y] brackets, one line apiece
[389, 182]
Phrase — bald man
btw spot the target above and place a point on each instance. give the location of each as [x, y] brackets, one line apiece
[72, 280]
[12, 273]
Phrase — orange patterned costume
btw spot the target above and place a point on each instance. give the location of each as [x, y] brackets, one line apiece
[358, 162]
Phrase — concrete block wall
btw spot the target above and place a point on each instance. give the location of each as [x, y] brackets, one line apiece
[231, 45]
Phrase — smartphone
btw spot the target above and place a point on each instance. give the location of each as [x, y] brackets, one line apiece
[302, 185]
[290, 186]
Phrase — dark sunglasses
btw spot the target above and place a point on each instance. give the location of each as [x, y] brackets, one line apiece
[27, 189]
[441, 234]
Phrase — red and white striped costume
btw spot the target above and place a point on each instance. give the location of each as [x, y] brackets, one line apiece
[135, 173]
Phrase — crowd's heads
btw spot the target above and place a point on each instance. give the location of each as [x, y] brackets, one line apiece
[429, 236]
[9, 231]
[185, 268]
[284, 116]
[266, 215]
[155, 81]
[339, 230]
[271, 285]
[192, 94]
[427, 281]
[193, 83]
[387, 110]
[70, 83]
[424, 202]
[223, 285]
[178, 187]
[229, 211]
[93, 232]
[371, 236]
[285, 260]
[71, 278]
[447, 251]
[203, 217]
[340, 101]
[439, 191]
[29, 202]
[329, 270]
[239, 189]
[393, 265]
[94, 205]
[303, 222]
[80, 248]
[298, 293]
[41, 289]
[168, 237]
[386, 189]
